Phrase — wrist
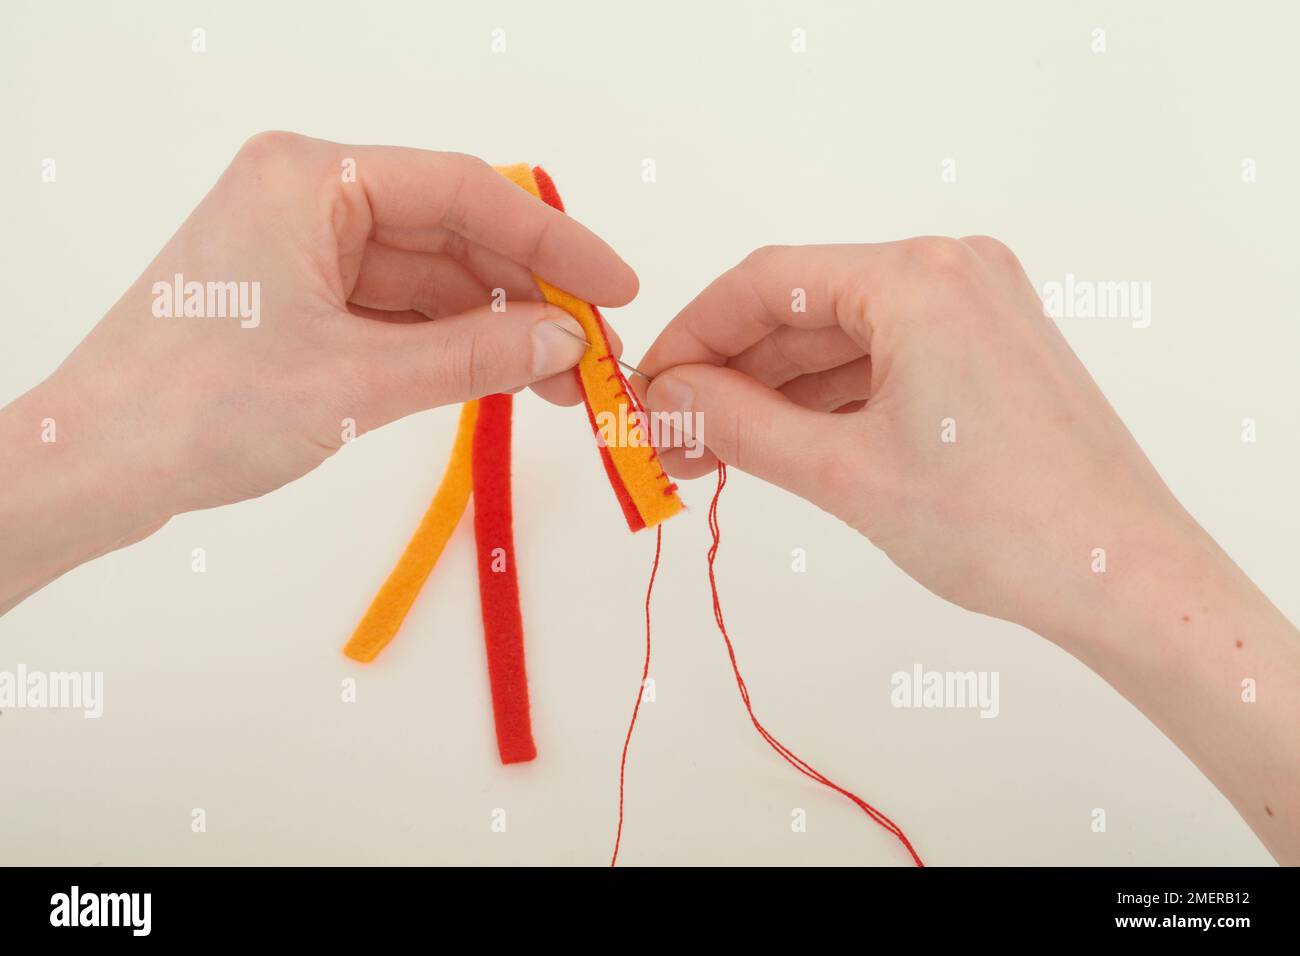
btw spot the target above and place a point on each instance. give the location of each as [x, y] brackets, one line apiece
[1158, 567]
[1175, 625]
[1190, 641]
[72, 486]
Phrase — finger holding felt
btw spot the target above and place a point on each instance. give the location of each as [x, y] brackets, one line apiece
[461, 357]
[564, 389]
[412, 188]
[687, 467]
[643, 489]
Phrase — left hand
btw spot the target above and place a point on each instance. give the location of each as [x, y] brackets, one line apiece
[367, 275]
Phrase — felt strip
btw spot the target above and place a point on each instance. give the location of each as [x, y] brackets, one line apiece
[645, 493]
[503, 628]
[394, 600]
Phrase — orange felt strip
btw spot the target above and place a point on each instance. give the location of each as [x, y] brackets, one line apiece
[394, 600]
[635, 461]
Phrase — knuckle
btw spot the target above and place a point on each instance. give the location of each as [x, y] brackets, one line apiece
[426, 293]
[265, 164]
[940, 253]
[837, 472]
[540, 240]
[786, 362]
[482, 363]
[948, 264]
[467, 162]
[749, 277]
[462, 168]
[761, 258]
[741, 445]
[461, 377]
[269, 146]
[992, 250]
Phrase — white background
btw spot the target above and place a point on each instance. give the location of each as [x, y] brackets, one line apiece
[223, 689]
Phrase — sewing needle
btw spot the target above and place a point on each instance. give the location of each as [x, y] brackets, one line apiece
[630, 368]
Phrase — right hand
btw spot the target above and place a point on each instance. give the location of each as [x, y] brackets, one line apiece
[924, 398]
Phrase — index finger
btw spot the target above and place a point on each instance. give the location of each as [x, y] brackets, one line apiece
[415, 188]
[800, 286]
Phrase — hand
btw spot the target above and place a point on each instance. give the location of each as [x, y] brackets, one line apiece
[924, 398]
[340, 276]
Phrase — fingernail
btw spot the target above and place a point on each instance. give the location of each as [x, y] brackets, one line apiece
[555, 350]
[669, 394]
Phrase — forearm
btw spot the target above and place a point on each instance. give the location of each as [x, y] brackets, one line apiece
[1192, 643]
[71, 485]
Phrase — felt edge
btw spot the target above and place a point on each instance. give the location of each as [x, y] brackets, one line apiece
[638, 514]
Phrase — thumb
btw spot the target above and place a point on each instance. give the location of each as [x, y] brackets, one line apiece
[420, 365]
[759, 430]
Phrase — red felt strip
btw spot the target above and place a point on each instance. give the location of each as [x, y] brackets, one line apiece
[503, 629]
[546, 187]
[634, 520]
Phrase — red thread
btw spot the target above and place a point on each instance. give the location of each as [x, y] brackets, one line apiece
[788, 755]
[636, 708]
